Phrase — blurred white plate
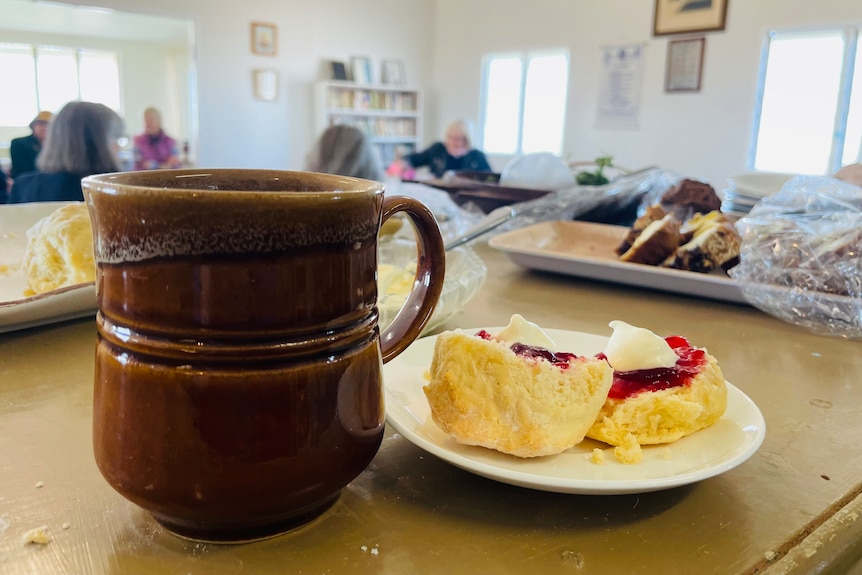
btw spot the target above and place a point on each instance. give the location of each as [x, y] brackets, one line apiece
[759, 184]
[707, 453]
[17, 310]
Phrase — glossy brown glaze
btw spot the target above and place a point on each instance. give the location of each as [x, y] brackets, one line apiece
[238, 370]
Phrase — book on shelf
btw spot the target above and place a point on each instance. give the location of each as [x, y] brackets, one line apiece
[379, 127]
[362, 99]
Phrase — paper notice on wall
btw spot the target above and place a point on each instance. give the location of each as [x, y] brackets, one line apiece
[620, 87]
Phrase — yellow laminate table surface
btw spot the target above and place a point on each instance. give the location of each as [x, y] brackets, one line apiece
[792, 508]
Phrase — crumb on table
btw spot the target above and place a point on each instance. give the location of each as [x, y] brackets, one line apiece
[38, 535]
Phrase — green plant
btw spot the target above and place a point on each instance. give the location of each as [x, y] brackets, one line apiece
[596, 178]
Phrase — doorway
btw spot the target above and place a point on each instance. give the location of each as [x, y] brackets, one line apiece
[154, 58]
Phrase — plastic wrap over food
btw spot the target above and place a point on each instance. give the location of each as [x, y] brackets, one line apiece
[570, 203]
[801, 256]
[465, 274]
[452, 219]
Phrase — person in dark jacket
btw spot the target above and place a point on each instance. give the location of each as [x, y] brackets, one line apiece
[453, 154]
[82, 141]
[4, 187]
[24, 151]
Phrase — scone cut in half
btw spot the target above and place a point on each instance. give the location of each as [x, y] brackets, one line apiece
[663, 389]
[59, 250]
[512, 392]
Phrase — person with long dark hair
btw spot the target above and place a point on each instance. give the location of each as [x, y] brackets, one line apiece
[345, 151]
[82, 140]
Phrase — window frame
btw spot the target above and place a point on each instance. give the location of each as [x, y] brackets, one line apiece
[525, 56]
[77, 51]
[851, 37]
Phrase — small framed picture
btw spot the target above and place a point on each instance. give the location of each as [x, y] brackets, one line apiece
[339, 72]
[684, 67]
[686, 16]
[265, 84]
[264, 39]
[393, 73]
[360, 70]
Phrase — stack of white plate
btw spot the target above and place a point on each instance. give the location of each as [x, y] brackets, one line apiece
[747, 189]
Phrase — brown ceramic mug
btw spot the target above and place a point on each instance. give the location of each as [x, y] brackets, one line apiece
[238, 369]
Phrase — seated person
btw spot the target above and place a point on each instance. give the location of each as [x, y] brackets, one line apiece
[82, 141]
[154, 149]
[454, 153]
[4, 187]
[345, 151]
[24, 151]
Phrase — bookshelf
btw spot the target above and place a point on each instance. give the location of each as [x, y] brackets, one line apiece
[389, 115]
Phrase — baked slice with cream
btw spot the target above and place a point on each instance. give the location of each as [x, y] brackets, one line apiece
[512, 392]
[663, 389]
[655, 243]
[711, 242]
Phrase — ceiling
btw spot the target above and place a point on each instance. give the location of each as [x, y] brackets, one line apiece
[60, 18]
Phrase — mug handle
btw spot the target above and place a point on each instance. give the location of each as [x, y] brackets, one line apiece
[428, 283]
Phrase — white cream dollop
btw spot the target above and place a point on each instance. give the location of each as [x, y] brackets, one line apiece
[520, 330]
[632, 348]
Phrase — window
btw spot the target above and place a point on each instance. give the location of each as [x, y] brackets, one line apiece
[809, 113]
[18, 106]
[524, 102]
[47, 77]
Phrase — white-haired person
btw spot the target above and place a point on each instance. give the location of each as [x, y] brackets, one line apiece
[454, 153]
[82, 140]
[154, 149]
[345, 151]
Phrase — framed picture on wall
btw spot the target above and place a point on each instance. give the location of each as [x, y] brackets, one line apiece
[684, 67]
[360, 70]
[265, 84]
[264, 39]
[392, 72]
[339, 71]
[685, 16]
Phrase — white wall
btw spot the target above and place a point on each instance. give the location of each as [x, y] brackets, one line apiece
[235, 130]
[704, 135]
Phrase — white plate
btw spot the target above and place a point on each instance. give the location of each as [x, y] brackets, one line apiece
[17, 310]
[717, 449]
[759, 184]
[586, 249]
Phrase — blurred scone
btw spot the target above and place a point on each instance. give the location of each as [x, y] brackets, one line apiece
[59, 250]
[522, 400]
